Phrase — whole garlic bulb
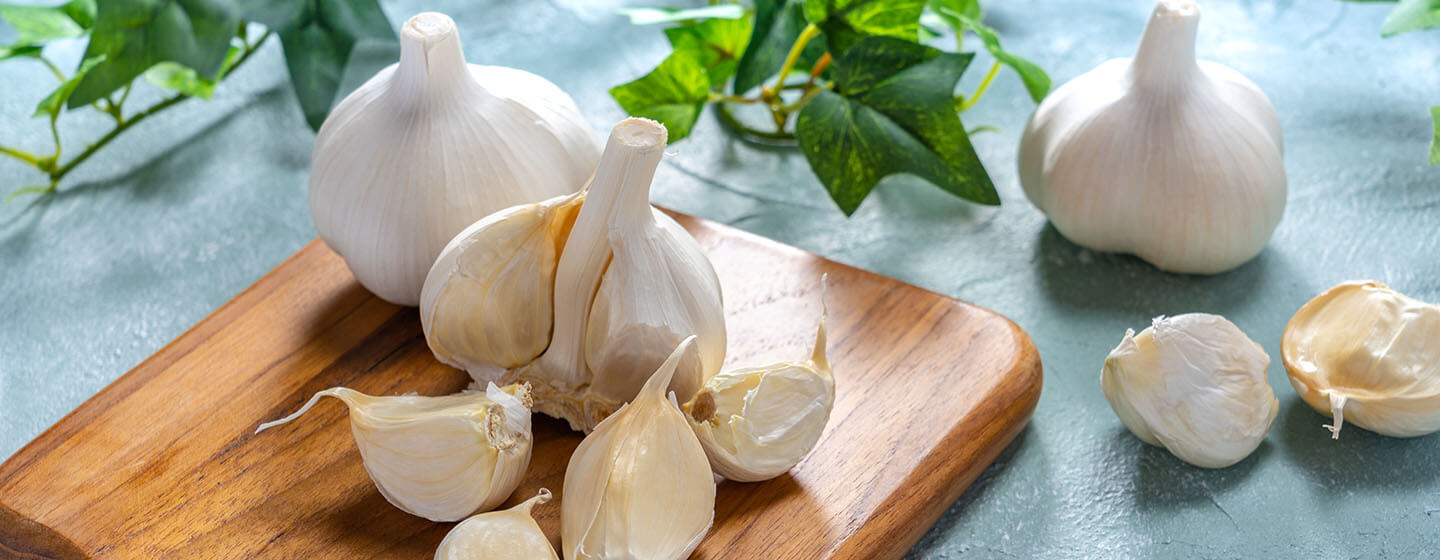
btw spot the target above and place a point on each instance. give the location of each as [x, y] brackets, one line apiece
[755, 423]
[602, 292]
[441, 458]
[431, 144]
[1176, 161]
[639, 486]
[1368, 354]
[1193, 384]
[501, 535]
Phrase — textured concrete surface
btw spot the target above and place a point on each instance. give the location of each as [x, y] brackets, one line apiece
[158, 230]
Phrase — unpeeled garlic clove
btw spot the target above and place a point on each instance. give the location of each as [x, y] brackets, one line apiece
[441, 458]
[756, 423]
[1364, 353]
[1193, 384]
[510, 534]
[639, 486]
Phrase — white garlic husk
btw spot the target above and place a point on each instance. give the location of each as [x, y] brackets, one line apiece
[1193, 384]
[1175, 160]
[441, 458]
[1364, 353]
[510, 534]
[430, 145]
[622, 284]
[756, 423]
[639, 486]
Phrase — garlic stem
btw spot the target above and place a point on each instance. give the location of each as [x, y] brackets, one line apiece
[431, 59]
[1166, 54]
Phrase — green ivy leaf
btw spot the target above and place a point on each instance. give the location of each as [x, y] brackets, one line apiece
[17, 51]
[51, 105]
[82, 12]
[648, 16]
[135, 35]
[1035, 79]
[673, 93]
[777, 24]
[1411, 15]
[846, 22]
[967, 8]
[319, 37]
[37, 25]
[178, 78]
[1435, 142]
[716, 43]
[892, 112]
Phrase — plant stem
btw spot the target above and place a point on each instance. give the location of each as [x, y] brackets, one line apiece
[53, 69]
[750, 134]
[984, 85]
[790, 59]
[21, 155]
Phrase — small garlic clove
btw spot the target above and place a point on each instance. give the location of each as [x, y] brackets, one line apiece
[510, 534]
[757, 423]
[441, 458]
[639, 486]
[1193, 384]
[1365, 354]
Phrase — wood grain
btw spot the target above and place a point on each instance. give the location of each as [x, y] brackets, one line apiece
[163, 463]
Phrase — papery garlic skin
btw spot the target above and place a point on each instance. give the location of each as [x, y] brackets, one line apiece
[756, 423]
[441, 458]
[639, 486]
[510, 534]
[1175, 160]
[1195, 385]
[430, 145]
[1365, 354]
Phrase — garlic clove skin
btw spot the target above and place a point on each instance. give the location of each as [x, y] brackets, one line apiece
[1175, 160]
[487, 302]
[501, 535]
[757, 423]
[430, 145]
[1195, 385]
[639, 486]
[1365, 354]
[441, 458]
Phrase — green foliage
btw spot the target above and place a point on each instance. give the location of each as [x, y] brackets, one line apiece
[1435, 142]
[846, 80]
[892, 112]
[134, 35]
[53, 103]
[37, 25]
[1411, 15]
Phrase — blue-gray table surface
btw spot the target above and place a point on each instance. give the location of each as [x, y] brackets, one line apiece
[161, 228]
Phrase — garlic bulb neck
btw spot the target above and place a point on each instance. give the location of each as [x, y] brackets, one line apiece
[1166, 55]
[430, 55]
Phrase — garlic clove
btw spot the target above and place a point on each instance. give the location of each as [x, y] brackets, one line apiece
[1175, 160]
[487, 303]
[757, 423]
[1193, 384]
[639, 486]
[441, 458]
[430, 145]
[510, 534]
[1364, 353]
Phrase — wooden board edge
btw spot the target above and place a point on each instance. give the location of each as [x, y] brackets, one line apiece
[26, 539]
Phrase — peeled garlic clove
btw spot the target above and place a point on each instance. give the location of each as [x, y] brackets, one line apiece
[1176, 161]
[487, 302]
[1364, 353]
[441, 458]
[756, 423]
[432, 144]
[639, 486]
[1193, 384]
[501, 535]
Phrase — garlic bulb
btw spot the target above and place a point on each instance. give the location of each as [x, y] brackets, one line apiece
[639, 486]
[602, 293]
[441, 458]
[431, 144]
[1365, 353]
[756, 423]
[1193, 384]
[510, 534]
[1173, 160]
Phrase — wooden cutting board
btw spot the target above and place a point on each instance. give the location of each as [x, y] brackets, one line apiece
[164, 462]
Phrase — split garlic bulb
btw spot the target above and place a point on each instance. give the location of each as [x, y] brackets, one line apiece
[1365, 353]
[601, 293]
[431, 144]
[756, 423]
[441, 458]
[1176, 161]
[510, 534]
[1193, 384]
[639, 486]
